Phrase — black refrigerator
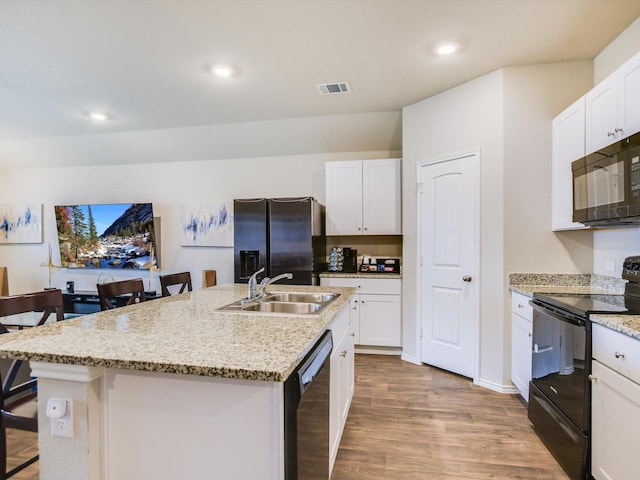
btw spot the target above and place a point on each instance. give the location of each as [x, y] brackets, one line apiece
[283, 235]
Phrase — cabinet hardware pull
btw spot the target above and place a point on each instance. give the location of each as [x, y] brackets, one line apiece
[530, 335]
[343, 353]
[467, 278]
[619, 355]
[352, 334]
[592, 378]
[618, 129]
[520, 306]
[610, 134]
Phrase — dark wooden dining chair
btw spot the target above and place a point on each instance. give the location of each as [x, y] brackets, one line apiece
[18, 401]
[120, 294]
[182, 279]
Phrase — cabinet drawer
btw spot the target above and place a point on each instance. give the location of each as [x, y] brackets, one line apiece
[618, 351]
[520, 306]
[381, 286]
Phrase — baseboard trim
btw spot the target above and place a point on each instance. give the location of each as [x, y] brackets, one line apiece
[373, 350]
[496, 387]
[410, 359]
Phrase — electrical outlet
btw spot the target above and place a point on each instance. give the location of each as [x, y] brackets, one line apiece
[60, 411]
[610, 266]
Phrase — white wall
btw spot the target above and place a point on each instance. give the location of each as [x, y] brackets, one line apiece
[534, 95]
[167, 185]
[620, 50]
[463, 118]
[507, 114]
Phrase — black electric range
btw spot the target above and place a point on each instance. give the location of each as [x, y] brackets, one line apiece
[560, 391]
[586, 304]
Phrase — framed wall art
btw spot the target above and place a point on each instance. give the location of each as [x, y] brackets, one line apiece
[207, 224]
[20, 223]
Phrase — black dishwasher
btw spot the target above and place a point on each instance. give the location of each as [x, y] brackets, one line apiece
[306, 419]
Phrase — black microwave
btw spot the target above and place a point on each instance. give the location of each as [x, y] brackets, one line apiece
[606, 185]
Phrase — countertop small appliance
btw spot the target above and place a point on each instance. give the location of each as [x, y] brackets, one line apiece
[380, 265]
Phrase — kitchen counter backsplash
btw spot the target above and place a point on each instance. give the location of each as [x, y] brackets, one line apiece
[589, 283]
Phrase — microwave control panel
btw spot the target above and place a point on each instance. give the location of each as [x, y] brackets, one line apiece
[631, 268]
[635, 176]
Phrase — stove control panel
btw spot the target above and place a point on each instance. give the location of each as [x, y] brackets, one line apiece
[631, 269]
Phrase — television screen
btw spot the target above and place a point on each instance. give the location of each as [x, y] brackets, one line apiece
[106, 235]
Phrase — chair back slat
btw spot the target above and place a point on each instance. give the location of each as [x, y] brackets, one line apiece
[109, 291]
[183, 279]
[48, 302]
[22, 398]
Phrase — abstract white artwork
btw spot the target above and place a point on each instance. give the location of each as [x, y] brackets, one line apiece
[21, 223]
[207, 224]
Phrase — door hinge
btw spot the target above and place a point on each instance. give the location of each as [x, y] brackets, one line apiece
[419, 187]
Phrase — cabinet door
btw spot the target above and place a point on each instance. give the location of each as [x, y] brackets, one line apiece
[629, 96]
[336, 394]
[354, 317]
[381, 199]
[344, 198]
[601, 115]
[568, 145]
[521, 334]
[380, 322]
[615, 418]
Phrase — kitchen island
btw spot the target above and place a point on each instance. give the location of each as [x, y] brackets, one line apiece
[171, 388]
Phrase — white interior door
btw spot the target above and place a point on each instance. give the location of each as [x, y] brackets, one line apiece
[448, 244]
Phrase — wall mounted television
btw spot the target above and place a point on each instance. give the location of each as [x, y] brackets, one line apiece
[107, 236]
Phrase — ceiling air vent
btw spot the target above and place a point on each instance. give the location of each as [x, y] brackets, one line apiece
[333, 88]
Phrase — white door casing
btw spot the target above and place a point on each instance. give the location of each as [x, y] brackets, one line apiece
[448, 249]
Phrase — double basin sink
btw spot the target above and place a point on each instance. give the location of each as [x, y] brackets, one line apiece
[299, 303]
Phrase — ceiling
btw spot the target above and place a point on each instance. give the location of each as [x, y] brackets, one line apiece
[147, 62]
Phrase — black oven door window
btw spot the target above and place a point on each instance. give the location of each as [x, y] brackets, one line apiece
[559, 364]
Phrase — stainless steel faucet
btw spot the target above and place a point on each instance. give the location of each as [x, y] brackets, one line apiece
[268, 281]
[252, 290]
[255, 291]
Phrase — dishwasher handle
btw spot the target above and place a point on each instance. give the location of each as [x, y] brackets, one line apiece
[311, 368]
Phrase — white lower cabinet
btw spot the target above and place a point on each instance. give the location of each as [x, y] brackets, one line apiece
[342, 379]
[615, 396]
[521, 346]
[376, 310]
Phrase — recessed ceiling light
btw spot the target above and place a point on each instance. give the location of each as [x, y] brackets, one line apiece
[99, 116]
[222, 70]
[447, 48]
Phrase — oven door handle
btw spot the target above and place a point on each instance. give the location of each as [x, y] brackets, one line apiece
[561, 316]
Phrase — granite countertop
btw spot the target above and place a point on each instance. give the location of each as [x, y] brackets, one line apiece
[626, 324]
[360, 275]
[182, 334]
[528, 284]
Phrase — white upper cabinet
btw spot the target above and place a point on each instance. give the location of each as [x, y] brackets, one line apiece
[613, 107]
[629, 96]
[568, 145]
[363, 197]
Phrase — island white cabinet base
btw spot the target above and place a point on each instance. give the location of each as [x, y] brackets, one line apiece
[140, 425]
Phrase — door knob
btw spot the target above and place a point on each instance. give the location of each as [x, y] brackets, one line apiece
[467, 278]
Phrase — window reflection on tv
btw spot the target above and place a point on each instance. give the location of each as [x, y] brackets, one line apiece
[109, 236]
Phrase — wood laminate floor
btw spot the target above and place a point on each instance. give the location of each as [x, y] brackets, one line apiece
[410, 422]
